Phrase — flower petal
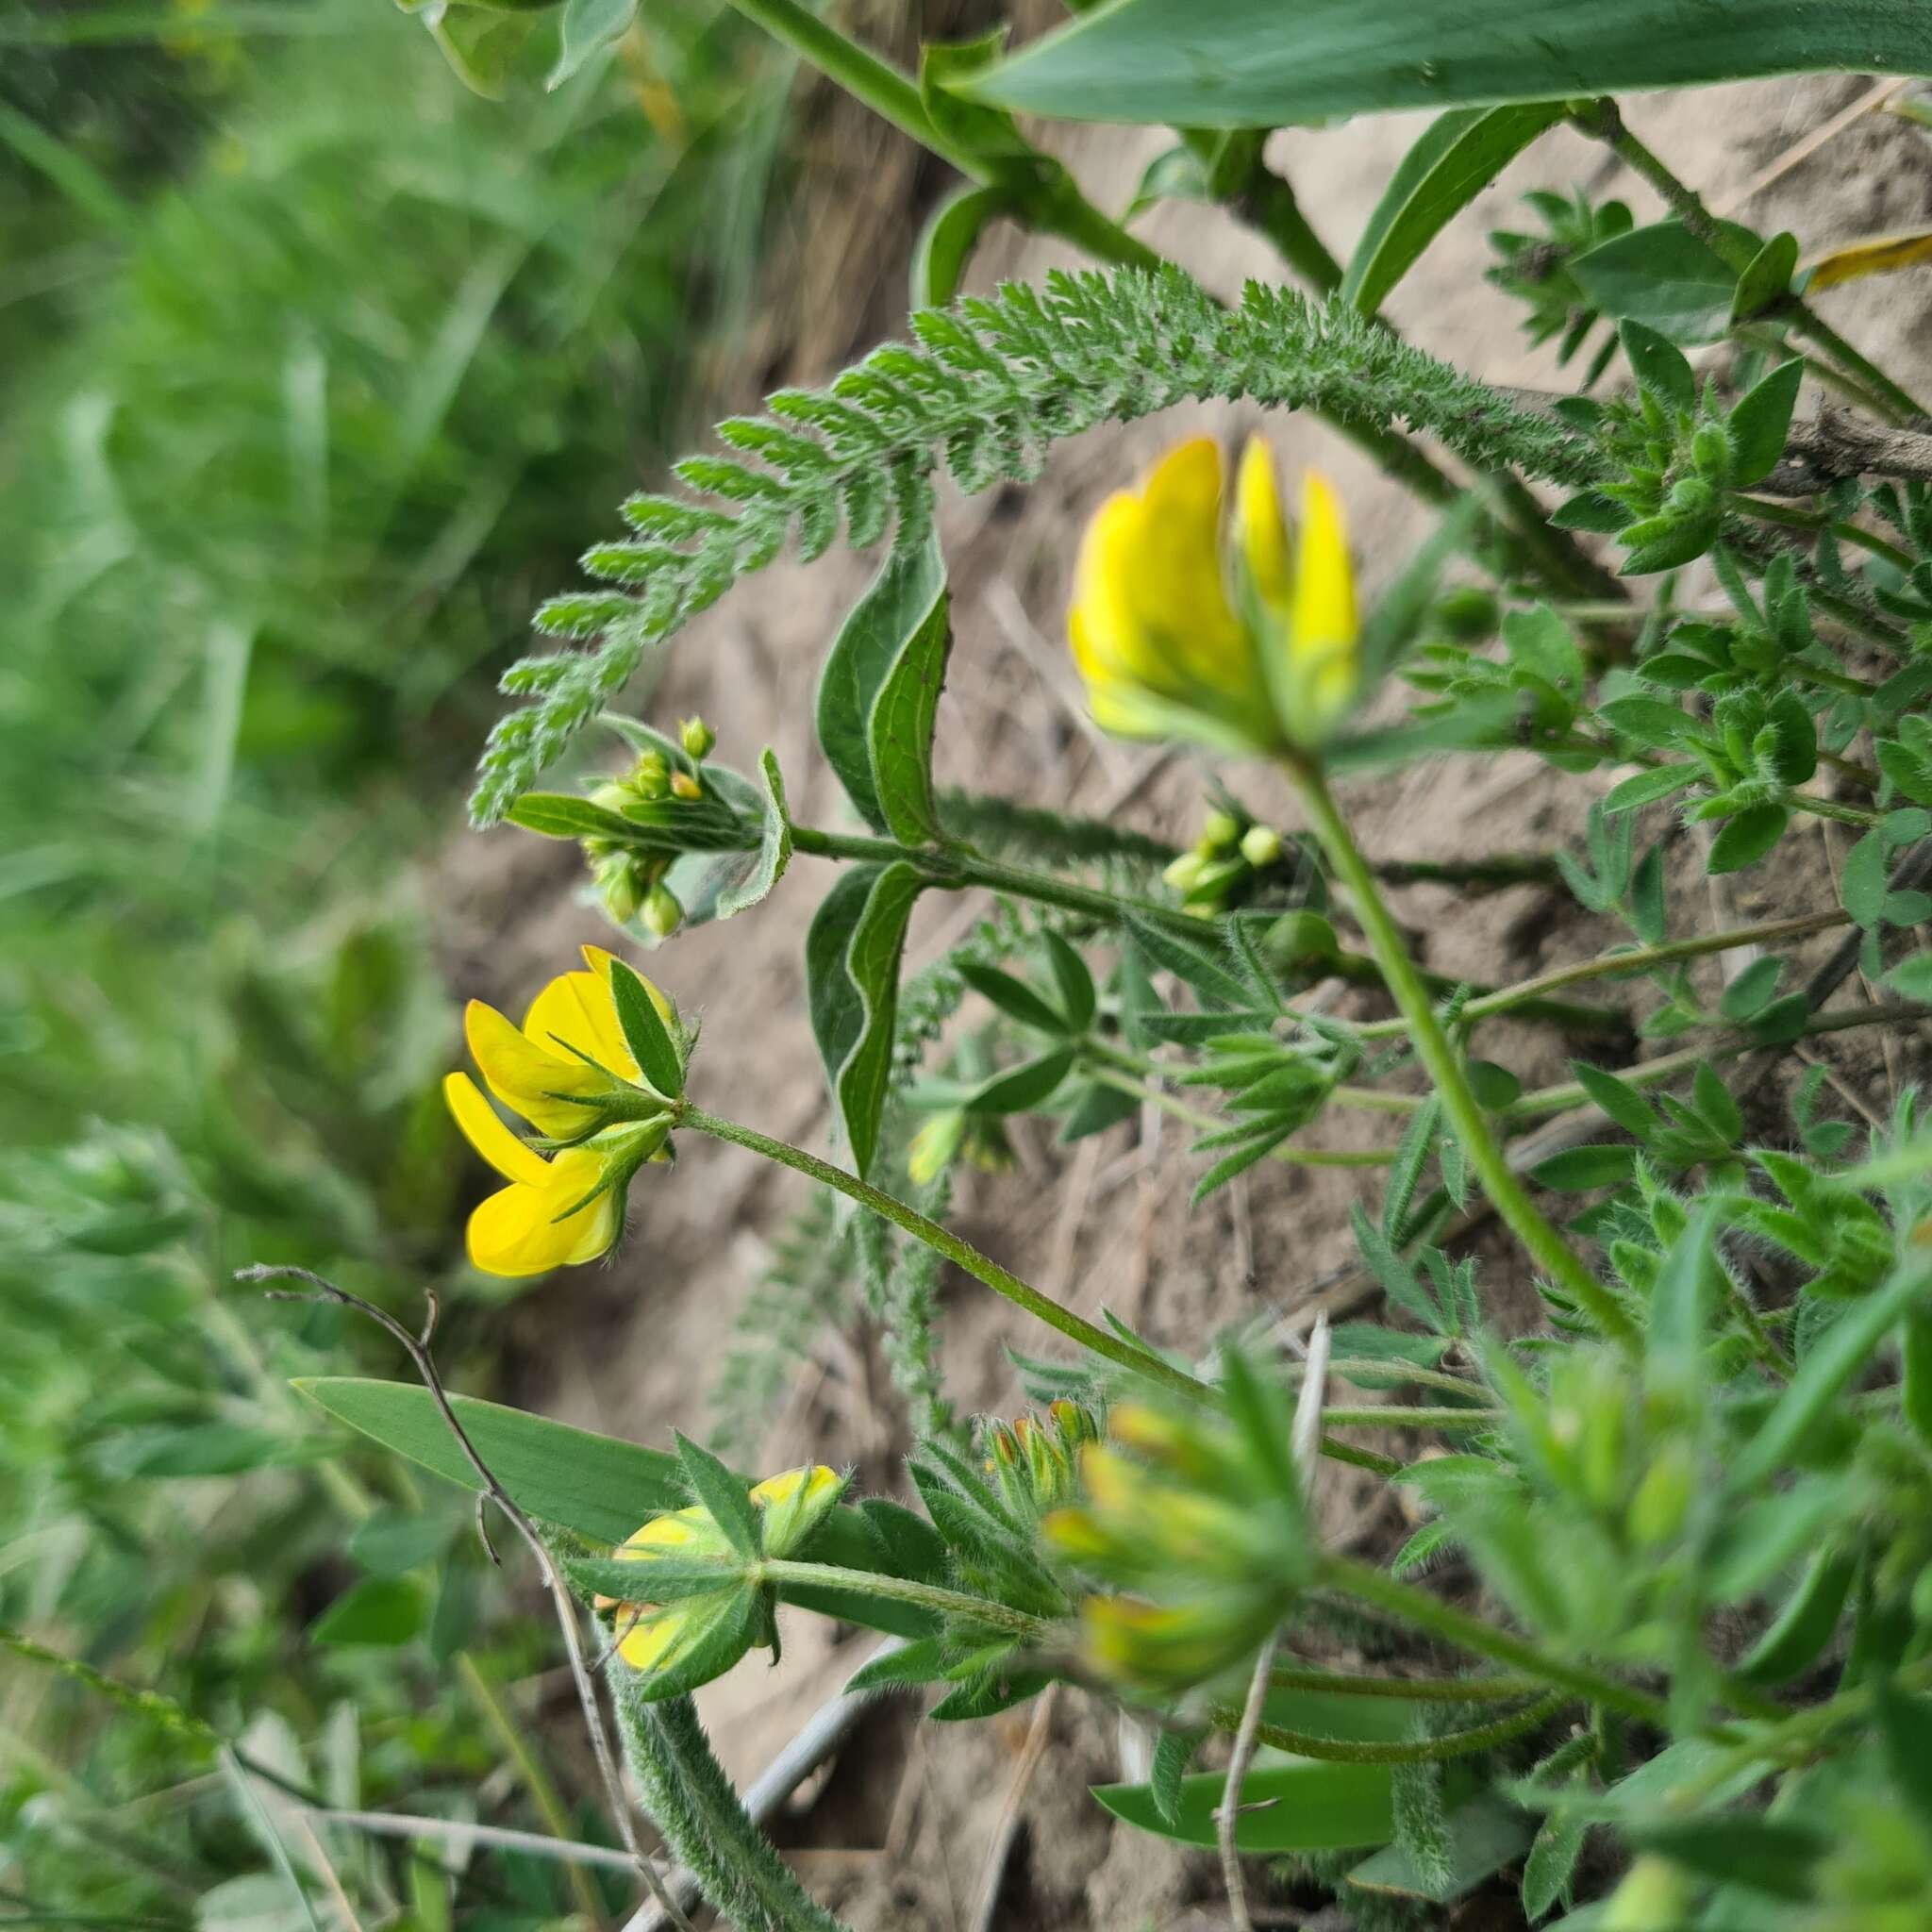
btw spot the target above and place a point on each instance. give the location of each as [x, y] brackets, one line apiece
[1260, 528]
[486, 1132]
[530, 1230]
[575, 1011]
[1325, 614]
[524, 1076]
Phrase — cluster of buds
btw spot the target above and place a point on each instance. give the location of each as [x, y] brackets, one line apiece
[1679, 452]
[1035, 1462]
[1195, 1529]
[630, 882]
[1229, 862]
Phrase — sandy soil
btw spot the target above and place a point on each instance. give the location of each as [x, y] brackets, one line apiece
[899, 1836]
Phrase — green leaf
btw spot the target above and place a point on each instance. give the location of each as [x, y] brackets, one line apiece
[1663, 277]
[1767, 1855]
[852, 976]
[563, 815]
[879, 690]
[1761, 423]
[1225, 63]
[644, 1032]
[774, 847]
[1829, 1364]
[1767, 278]
[1096, 1107]
[1648, 722]
[1022, 1089]
[1069, 973]
[1300, 1805]
[588, 27]
[1577, 1169]
[1749, 994]
[384, 1610]
[725, 1495]
[1191, 962]
[1912, 978]
[1647, 788]
[1618, 1098]
[595, 1485]
[922, 1662]
[1905, 1723]
[1494, 1087]
[1483, 1835]
[1861, 881]
[1660, 366]
[946, 243]
[1552, 1859]
[1746, 836]
[1014, 997]
[1459, 154]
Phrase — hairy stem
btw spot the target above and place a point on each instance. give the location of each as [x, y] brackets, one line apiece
[946, 1602]
[962, 1254]
[1209, 1123]
[1638, 959]
[1545, 1246]
[1413, 1750]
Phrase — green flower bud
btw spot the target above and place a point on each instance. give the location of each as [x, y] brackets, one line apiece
[651, 780]
[663, 915]
[1663, 1498]
[620, 888]
[1710, 450]
[685, 787]
[696, 736]
[1654, 1895]
[1219, 830]
[1691, 496]
[1467, 613]
[1185, 870]
[1260, 846]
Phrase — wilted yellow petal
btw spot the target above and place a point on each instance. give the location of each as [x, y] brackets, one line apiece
[1260, 527]
[486, 1132]
[1883, 255]
[522, 1075]
[575, 1011]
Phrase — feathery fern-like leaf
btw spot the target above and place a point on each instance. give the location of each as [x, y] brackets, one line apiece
[993, 383]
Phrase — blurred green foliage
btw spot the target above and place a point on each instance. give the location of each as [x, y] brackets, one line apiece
[313, 369]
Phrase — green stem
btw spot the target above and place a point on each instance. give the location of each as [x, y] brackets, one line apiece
[1394, 1415]
[1421, 1610]
[1787, 516]
[962, 1254]
[944, 1603]
[1212, 1123]
[1639, 959]
[1545, 1246]
[1421, 1689]
[1607, 124]
[1668, 1066]
[1831, 808]
[1407, 1750]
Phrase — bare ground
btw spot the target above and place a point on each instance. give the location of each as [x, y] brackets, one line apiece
[900, 1833]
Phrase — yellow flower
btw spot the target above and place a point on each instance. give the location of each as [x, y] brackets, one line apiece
[568, 1072]
[657, 1637]
[1247, 643]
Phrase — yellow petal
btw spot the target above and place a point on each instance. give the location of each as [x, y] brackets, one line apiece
[522, 1075]
[518, 1231]
[1150, 607]
[575, 1011]
[599, 961]
[488, 1135]
[1260, 528]
[649, 1633]
[1324, 617]
[793, 1503]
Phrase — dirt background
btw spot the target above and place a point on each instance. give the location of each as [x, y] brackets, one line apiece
[907, 1830]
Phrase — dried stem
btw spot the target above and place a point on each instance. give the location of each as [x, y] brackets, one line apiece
[417, 1349]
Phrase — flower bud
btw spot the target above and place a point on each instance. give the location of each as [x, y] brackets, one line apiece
[1691, 496]
[1467, 613]
[685, 787]
[1260, 846]
[1185, 870]
[1663, 1498]
[1219, 830]
[696, 736]
[1710, 450]
[651, 780]
[662, 914]
[618, 887]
